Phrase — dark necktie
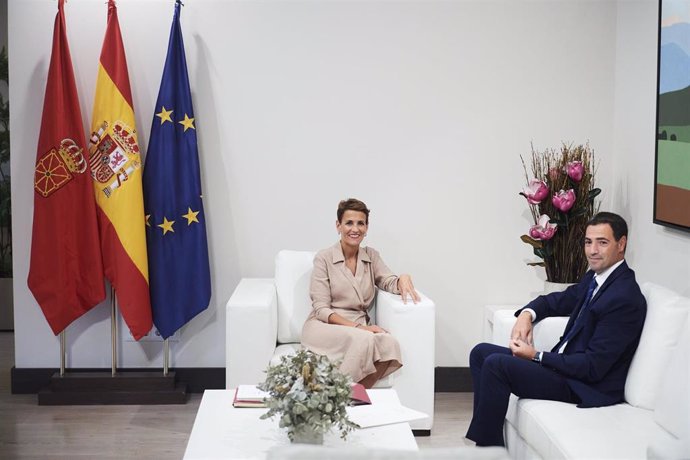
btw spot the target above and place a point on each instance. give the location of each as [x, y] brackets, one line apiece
[582, 313]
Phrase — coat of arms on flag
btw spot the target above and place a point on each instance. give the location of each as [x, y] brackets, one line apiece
[114, 155]
[58, 167]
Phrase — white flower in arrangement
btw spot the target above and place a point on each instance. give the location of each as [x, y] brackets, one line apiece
[310, 395]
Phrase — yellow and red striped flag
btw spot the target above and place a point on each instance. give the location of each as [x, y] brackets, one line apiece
[116, 171]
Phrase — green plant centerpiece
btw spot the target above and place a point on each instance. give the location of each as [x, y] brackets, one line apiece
[310, 395]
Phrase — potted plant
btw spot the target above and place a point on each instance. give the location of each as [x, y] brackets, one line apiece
[5, 204]
[560, 194]
[310, 395]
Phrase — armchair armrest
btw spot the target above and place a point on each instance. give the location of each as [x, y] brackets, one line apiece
[414, 327]
[547, 332]
[251, 317]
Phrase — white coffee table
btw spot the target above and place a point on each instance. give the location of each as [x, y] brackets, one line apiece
[222, 431]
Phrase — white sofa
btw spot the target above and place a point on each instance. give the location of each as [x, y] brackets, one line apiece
[265, 317]
[654, 421]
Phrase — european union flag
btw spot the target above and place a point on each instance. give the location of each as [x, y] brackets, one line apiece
[179, 278]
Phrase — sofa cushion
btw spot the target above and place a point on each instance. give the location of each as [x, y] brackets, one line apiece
[293, 275]
[666, 313]
[673, 405]
[669, 450]
[561, 430]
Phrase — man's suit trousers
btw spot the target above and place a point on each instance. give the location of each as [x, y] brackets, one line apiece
[496, 373]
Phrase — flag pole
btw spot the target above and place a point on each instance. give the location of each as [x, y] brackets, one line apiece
[166, 357]
[113, 331]
[62, 353]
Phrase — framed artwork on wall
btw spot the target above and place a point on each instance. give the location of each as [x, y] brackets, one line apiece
[672, 165]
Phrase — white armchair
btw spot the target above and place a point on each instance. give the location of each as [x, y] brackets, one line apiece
[265, 317]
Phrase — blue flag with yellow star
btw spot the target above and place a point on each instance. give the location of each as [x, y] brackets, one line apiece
[179, 277]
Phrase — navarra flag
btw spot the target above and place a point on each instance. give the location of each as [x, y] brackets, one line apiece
[176, 225]
[66, 272]
[116, 172]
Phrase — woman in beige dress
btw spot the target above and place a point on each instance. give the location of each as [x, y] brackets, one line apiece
[343, 287]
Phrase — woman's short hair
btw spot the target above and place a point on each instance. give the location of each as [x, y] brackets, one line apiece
[352, 204]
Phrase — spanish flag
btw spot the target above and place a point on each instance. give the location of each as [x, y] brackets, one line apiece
[66, 273]
[116, 171]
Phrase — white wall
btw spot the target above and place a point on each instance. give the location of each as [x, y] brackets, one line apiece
[659, 254]
[419, 108]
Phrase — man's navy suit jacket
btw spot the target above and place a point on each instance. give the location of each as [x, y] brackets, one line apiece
[596, 359]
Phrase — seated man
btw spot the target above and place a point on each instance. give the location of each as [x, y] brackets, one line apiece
[589, 364]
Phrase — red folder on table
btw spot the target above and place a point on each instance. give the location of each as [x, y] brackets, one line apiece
[359, 395]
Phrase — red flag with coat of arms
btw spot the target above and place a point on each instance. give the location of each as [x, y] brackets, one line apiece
[66, 271]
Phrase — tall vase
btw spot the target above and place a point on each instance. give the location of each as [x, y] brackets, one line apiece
[306, 435]
[550, 286]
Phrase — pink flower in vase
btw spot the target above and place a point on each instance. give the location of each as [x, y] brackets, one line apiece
[564, 200]
[543, 230]
[575, 170]
[536, 191]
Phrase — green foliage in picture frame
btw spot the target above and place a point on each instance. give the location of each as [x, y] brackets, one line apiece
[672, 160]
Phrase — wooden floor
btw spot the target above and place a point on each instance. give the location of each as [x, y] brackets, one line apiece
[29, 431]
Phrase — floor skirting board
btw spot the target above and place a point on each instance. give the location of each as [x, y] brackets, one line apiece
[453, 380]
[198, 379]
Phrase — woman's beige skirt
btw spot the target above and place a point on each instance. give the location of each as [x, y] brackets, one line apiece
[358, 349]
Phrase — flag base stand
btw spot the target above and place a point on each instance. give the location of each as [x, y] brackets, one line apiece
[101, 387]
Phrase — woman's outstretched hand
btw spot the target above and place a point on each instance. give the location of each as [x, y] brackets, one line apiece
[406, 289]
